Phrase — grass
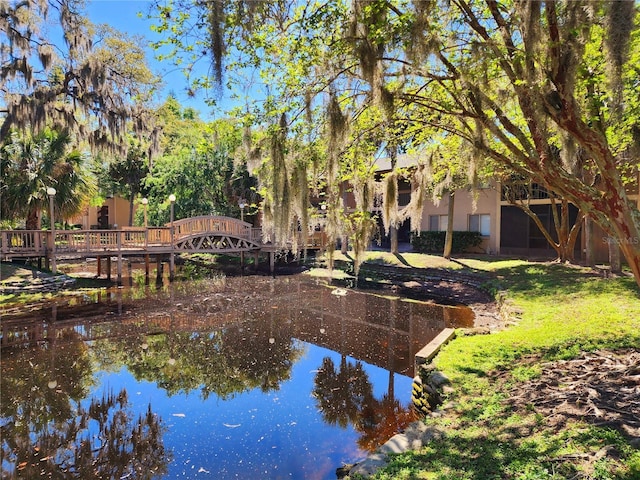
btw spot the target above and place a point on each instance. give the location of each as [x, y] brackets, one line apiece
[563, 311]
[10, 272]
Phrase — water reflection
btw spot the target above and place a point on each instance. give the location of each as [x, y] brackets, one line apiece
[345, 396]
[52, 427]
[235, 378]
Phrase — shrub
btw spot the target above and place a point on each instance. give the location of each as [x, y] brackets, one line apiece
[433, 242]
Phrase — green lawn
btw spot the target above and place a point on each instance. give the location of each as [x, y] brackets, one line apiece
[561, 312]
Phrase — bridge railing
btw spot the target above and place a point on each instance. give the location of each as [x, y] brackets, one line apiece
[111, 240]
[15, 243]
[206, 223]
[28, 242]
[256, 235]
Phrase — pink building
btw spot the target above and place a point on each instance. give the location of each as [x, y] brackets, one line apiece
[504, 227]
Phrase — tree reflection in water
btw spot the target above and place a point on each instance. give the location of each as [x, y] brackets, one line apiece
[223, 362]
[345, 396]
[232, 341]
[47, 432]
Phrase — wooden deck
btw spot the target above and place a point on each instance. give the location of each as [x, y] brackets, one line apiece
[203, 234]
[198, 234]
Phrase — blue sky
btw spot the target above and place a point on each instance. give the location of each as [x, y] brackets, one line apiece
[123, 16]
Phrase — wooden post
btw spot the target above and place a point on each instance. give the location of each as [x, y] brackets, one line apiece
[172, 200]
[158, 270]
[99, 262]
[109, 267]
[119, 269]
[146, 269]
[119, 265]
[172, 265]
[37, 243]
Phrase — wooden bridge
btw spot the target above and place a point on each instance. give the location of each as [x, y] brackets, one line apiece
[203, 234]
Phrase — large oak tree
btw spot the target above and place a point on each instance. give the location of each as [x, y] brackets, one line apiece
[58, 70]
[544, 89]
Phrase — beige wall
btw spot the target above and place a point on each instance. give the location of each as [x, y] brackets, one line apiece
[118, 214]
[486, 203]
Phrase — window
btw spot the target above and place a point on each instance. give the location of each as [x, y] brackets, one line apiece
[523, 191]
[438, 223]
[480, 223]
[404, 198]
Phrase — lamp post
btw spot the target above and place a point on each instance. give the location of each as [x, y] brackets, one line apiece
[172, 200]
[242, 203]
[52, 193]
[145, 202]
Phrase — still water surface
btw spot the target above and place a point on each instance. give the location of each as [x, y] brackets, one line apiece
[248, 377]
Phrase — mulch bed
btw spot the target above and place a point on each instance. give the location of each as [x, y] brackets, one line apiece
[601, 388]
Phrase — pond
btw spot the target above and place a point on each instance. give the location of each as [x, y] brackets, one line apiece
[228, 378]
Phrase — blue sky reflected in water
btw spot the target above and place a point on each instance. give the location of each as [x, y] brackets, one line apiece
[278, 434]
[238, 378]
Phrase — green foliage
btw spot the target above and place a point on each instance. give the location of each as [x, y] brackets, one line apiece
[198, 167]
[433, 242]
[122, 175]
[30, 164]
[506, 93]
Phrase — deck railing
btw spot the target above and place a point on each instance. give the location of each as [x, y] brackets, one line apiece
[15, 243]
[24, 241]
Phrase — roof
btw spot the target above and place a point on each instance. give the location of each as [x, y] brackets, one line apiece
[403, 161]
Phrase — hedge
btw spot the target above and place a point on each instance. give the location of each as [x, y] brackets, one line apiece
[433, 242]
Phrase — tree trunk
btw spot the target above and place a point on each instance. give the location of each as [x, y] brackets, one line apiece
[393, 234]
[531, 214]
[614, 257]
[574, 231]
[33, 220]
[612, 208]
[448, 239]
[628, 237]
[344, 244]
[131, 200]
[631, 251]
[589, 257]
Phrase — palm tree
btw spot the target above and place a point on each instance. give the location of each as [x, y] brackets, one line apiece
[32, 163]
[343, 394]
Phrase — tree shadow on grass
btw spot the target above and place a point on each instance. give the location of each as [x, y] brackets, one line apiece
[497, 448]
[545, 279]
[475, 371]
[402, 260]
[480, 457]
[467, 267]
